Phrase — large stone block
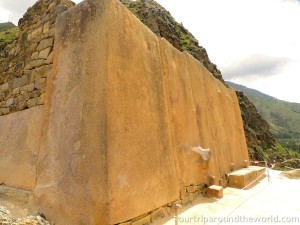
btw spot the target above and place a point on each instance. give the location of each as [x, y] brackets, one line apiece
[244, 177]
[123, 110]
[18, 82]
[215, 191]
[46, 43]
[20, 141]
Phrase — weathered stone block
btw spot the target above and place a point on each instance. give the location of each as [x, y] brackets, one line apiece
[18, 82]
[32, 102]
[46, 18]
[51, 32]
[40, 83]
[19, 169]
[215, 191]
[23, 88]
[31, 87]
[191, 189]
[9, 102]
[21, 105]
[45, 53]
[143, 221]
[161, 213]
[35, 63]
[243, 177]
[2, 104]
[4, 87]
[22, 97]
[41, 72]
[16, 91]
[41, 99]
[2, 96]
[35, 33]
[45, 44]
[4, 111]
[60, 9]
[34, 56]
[185, 200]
[50, 58]
[51, 6]
[46, 27]
[94, 95]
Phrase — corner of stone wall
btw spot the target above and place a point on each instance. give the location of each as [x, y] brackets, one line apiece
[23, 72]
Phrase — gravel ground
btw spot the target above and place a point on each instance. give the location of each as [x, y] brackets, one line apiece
[292, 174]
[7, 219]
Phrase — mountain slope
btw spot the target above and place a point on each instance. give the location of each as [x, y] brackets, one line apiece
[8, 32]
[6, 26]
[283, 117]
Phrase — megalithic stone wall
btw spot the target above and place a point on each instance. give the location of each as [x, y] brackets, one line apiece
[122, 111]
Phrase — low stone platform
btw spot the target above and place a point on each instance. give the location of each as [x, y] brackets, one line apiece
[244, 177]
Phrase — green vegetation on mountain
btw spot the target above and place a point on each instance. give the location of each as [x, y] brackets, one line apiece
[6, 26]
[283, 117]
[8, 33]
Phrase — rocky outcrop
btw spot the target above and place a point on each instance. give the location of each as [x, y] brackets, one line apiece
[159, 20]
[257, 130]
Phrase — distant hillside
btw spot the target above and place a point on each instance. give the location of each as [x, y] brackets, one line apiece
[6, 26]
[283, 117]
[8, 32]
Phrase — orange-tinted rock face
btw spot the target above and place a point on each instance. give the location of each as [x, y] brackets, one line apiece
[123, 111]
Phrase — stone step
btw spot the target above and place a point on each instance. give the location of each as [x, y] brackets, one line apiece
[244, 177]
[215, 191]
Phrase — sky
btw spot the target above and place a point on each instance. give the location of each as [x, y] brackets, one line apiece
[255, 43]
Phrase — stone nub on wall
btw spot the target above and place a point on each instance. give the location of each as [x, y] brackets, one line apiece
[23, 72]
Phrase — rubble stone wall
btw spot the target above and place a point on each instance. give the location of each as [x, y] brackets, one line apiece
[24, 71]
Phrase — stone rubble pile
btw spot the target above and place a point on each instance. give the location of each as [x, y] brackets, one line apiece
[7, 219]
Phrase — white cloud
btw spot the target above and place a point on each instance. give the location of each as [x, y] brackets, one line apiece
[256, 65]
[15, 8]
[4, 15]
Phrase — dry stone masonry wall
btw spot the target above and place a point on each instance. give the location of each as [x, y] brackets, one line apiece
[23, 72]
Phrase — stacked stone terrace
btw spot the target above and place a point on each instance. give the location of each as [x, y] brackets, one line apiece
[23, 73]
